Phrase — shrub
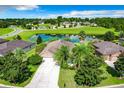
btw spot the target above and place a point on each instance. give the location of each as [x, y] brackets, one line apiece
[40, 47]
[35, 59]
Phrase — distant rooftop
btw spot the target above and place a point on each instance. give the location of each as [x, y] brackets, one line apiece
[107, 48]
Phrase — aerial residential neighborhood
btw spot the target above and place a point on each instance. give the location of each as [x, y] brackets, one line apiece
[79, 48]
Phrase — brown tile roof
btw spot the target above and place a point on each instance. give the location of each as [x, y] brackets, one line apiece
[53, 46]
[11, 45]
[106, 48]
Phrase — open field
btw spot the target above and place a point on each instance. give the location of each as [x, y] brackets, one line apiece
[89, 30]
[67, 76]
[5, 30]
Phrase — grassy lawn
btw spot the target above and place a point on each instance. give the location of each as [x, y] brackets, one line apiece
[31, 52]
[5, 30]
[89, 30]
[67, 76]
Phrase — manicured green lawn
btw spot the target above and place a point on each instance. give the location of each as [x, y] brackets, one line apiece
[67, 76]
[5, 30]
[89, 30]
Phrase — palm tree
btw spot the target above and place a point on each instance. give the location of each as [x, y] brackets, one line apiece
[62, 56]
[78, 54]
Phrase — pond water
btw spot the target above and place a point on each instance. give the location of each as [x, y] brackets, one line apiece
[49, 37]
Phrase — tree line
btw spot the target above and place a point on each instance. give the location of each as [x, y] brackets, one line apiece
[107, 22]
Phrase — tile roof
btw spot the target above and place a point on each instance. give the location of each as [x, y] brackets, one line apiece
[53, 46]
[107, 48]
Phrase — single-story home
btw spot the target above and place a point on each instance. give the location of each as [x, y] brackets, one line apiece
[10, 46]
[52, 47]
[110, 51]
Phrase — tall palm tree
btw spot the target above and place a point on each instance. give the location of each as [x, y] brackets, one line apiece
[78, 54]
[62, 55]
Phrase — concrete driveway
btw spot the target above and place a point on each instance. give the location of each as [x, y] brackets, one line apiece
[46, 76]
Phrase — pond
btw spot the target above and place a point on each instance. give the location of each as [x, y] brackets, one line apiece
[49, 37]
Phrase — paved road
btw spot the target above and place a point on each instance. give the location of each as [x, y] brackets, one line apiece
[46, 76]
[13, 33]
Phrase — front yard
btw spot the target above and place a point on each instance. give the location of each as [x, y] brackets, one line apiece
[66, 78]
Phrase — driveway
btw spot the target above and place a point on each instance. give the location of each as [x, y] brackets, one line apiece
[46, 76]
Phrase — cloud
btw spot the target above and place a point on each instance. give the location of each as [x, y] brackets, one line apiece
[91, 13]
[18, 7]
[25, 7]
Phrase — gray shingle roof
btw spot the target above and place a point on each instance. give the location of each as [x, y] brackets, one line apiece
[106, 48]
[11, 45]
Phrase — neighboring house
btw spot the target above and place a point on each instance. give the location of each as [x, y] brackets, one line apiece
[52, 47]
[121, 40]
[93, 24]
[110, 51]
[66, 24]
[42, 28]
[10, 46]
[3, 40]
[86, 23]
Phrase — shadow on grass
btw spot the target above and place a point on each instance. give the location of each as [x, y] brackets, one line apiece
[112, 71]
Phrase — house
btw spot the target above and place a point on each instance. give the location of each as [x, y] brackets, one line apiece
[86, 23]
[52, 47]
[3, 40]
[66, 24]
[93, 24]
[121, 40]
[10, 46]
[110, 51]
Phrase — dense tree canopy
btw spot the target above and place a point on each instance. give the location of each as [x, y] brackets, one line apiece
[13, 70]
[89, 73]
[14, 66]
[109, 36]
[119, 65]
